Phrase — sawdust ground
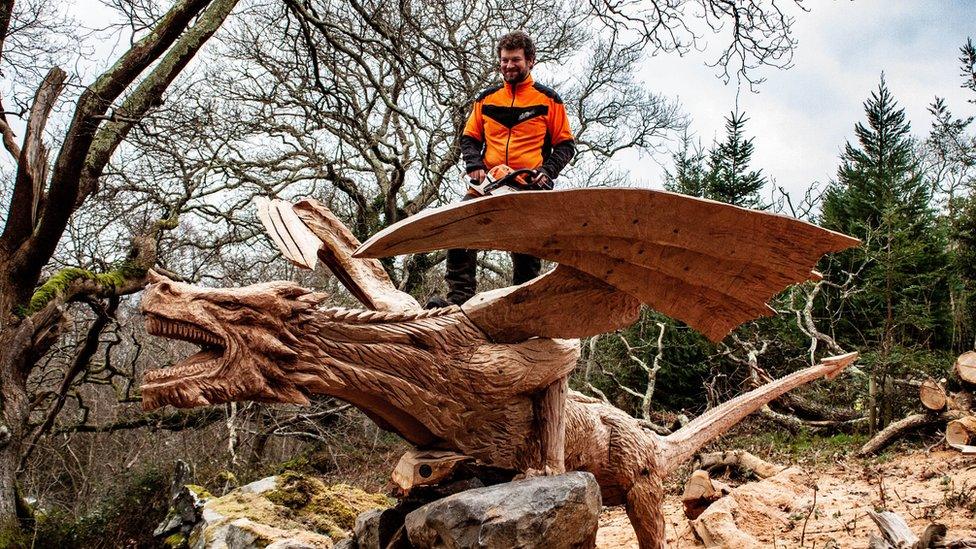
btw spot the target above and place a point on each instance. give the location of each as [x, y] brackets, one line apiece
[922, 487]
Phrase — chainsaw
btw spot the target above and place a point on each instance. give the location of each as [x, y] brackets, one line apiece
[502, 179]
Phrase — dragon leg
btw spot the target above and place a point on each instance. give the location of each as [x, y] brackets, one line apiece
[551, 425]
[644, 509]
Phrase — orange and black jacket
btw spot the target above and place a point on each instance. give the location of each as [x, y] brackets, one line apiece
[522, 126]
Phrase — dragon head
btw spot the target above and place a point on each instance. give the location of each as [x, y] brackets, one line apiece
[247, 344]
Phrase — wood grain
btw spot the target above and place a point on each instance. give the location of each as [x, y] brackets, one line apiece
[709, 264]
[489, 380]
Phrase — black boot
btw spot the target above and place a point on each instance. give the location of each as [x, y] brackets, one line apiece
[461, 276]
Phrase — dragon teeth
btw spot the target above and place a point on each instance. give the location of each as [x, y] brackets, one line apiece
[181, 330]
[185, 370]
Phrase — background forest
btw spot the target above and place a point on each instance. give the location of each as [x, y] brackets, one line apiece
[148, 151]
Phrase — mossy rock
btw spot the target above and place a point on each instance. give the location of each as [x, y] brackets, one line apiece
[301, 502]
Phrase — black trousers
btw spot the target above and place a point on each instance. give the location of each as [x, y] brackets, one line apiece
[462, 268]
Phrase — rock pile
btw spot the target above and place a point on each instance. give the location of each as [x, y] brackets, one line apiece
[297, 512]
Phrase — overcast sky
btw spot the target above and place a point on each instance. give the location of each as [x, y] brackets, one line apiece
[802, 117]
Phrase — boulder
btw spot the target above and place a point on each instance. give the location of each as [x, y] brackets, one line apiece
[553, 512]
[381, 529]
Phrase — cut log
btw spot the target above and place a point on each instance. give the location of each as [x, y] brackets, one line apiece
[424, 468]
[700, 492]
[962, 431]
[965, 367]
[740, 459]
[933, 395]
[899, 428]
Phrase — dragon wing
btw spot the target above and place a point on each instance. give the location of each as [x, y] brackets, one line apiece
[307, 232]
[708, 264]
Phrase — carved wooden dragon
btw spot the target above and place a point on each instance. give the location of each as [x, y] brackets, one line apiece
[483, 378]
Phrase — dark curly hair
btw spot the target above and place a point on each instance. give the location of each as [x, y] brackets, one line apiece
[517, 40]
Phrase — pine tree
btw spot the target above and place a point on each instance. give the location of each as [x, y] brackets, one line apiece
[881, 197]
[729, 178]
[689, 175]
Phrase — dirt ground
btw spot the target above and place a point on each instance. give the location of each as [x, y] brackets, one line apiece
[922, 487]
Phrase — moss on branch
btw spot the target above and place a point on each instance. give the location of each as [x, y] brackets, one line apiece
[60, 283]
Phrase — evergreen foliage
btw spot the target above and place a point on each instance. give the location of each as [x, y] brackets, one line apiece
[729, 178]
[951, 159]
[881, 197]
[690, 176]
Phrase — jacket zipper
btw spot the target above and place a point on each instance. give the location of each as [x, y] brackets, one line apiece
[509, 140]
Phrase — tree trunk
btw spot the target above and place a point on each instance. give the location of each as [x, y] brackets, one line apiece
[22, 342]
[902, 426]
[9, 459]
[13, 407]
[888, 396]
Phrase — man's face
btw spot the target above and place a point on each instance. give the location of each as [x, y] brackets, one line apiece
[514, 66]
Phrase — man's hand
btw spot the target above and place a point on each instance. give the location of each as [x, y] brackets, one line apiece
[542, 180]
[477, 175]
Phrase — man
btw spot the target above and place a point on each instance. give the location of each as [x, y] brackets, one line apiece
[518, 123]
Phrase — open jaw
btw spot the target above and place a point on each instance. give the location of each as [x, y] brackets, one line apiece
[175, 384]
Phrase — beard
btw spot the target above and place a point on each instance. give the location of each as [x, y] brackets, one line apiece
[515, 76]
